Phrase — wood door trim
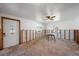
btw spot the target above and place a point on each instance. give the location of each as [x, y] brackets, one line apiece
[7, 18]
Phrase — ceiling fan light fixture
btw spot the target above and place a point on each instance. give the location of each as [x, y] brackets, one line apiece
[50, 17]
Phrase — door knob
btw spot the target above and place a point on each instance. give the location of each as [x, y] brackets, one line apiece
[3, 33]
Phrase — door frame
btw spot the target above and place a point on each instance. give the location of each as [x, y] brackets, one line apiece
[7, 18]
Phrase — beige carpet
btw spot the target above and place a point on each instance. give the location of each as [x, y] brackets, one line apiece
[44, 47]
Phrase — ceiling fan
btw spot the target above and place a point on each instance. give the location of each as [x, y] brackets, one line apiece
[50, 17]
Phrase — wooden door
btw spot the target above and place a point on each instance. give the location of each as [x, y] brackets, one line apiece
[1, 41]
[76, 36]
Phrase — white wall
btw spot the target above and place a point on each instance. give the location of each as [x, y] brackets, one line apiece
[30, 24]
[69, 24]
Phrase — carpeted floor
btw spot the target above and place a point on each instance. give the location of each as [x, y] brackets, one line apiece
[44, 47]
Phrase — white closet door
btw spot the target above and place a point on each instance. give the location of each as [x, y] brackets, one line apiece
[11, 30]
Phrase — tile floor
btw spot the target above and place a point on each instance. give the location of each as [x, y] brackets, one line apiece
[44, 47]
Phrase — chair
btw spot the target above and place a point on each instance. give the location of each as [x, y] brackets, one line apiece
[52, 34]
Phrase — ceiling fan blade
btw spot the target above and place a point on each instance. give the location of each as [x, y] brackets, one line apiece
[48, 17]
[53, 16]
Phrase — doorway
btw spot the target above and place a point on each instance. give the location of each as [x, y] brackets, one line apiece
[10, 32]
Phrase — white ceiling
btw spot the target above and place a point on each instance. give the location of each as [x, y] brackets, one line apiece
[37, 11]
